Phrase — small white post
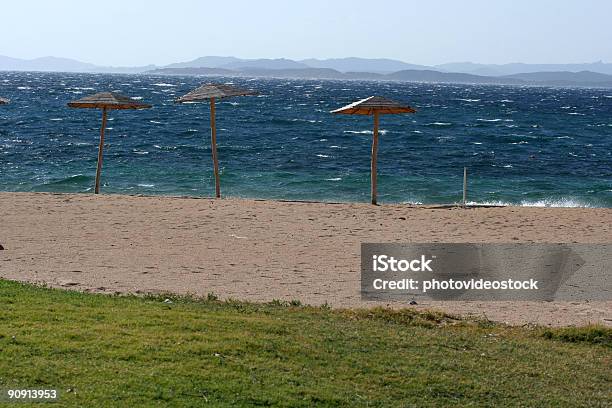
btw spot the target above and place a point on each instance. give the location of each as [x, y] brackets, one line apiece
[464, 186]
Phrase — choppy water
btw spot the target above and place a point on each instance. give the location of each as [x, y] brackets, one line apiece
[522, 145]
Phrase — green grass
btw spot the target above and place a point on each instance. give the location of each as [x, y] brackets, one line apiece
[126, 351]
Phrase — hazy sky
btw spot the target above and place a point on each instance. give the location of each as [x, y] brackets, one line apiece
[138, 32]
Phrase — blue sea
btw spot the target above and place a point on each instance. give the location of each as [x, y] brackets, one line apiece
[522, 145]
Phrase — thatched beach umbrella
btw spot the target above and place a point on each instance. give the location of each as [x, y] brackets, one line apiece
[3, 101]
[374, 105]
[213, 92]
[105, 101]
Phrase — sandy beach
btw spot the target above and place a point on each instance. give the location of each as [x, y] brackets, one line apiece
[262, 250]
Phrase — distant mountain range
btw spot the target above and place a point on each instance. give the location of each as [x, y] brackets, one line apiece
[597, 74]
[583, 78]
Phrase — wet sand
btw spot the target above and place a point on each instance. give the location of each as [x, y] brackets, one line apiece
[262, 250]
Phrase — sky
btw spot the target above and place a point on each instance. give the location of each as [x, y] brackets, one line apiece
[429, 32]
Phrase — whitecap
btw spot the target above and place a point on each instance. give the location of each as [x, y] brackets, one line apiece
[146, 185]
[334, 179]
[156, 122]
[440, 124]
[322, 155]
[56, 119]
[366, 132]
[136, 98]
[489, 120]
[359, 132]
[163, 85]
[140, 152]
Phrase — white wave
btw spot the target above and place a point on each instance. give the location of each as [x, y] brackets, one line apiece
[506, 100]
[140, 152]
[547, 202]
[468, 100]
[156, 122]
[440, 124]
[489, 120]
[334, 179]
[365, 132]
[136, 98]
[306, 120]
[146, 185]
[335, 147]
[23, 87]
[163, 85]
[477, 143]
[576, 113]
[323, 155]
[359, 132]
[56, 119]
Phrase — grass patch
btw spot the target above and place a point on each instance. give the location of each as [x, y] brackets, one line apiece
[179, 351]
[595, 334]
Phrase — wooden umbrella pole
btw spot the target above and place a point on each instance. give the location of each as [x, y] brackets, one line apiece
[213, 140]
[100, 149]
[374, 154]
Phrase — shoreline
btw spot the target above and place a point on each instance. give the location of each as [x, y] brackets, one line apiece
[259, 250]
[305, 201]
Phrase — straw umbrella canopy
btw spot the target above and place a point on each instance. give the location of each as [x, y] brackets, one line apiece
[212, 92]
[3, 101]
[374, 105]
[106, 101]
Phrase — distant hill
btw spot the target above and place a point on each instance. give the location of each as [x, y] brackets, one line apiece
[205, 62]
[520, 68]
[55, 64]
[45, 64]
[598, 74]
[452, 77]
[317, 73]
[378, 65]
[565, 78]
[585, 78]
